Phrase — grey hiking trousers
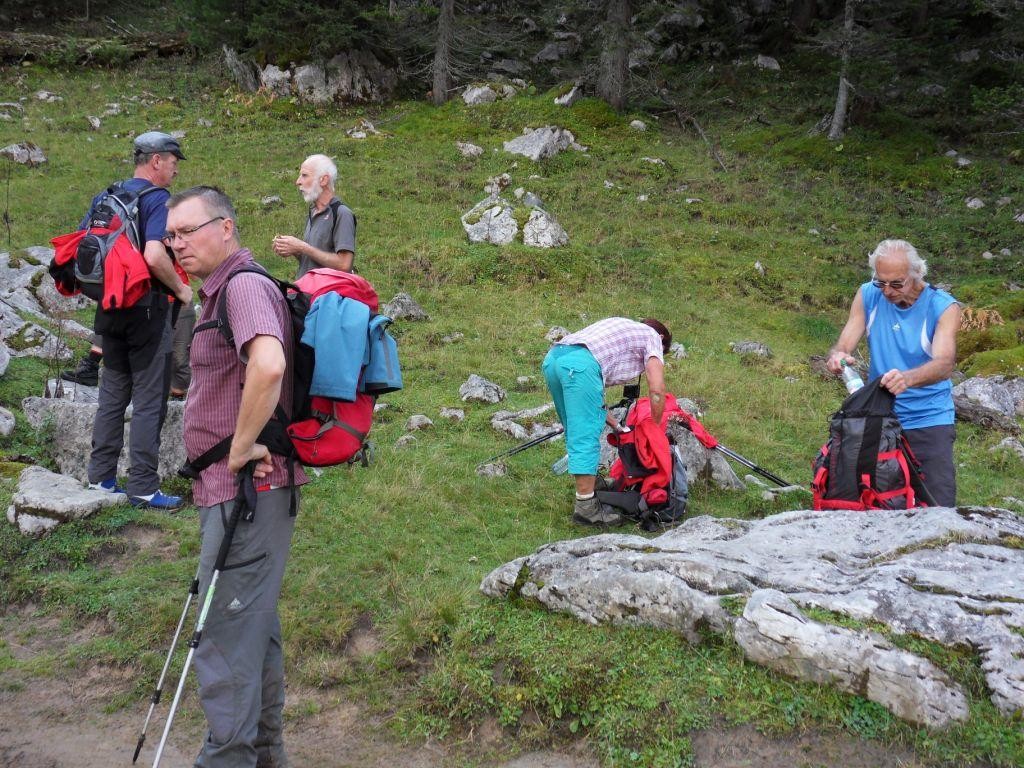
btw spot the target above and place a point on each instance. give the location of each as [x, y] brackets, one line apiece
[239, 662]
[145, 387]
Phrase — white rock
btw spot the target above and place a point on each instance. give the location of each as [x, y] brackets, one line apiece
[469, 150]
[418, 421]
[482, 94]
[543, 231]
[479, 389]
[974, 203]
[94, 122]
[48, 97]
[677, 350]
[642, 198]
[496, 224]
[767, 62]
[988, 255]
[653, 160]
[497, 469]
[570, 98]
[7, 422]
[556, 333]
[609, 184]
[962, 161]
[453, 414]
[638, 125]
[25, 153]
[405, 441]
[541, 143]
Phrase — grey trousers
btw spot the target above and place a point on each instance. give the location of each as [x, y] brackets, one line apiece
[933, 447]
[181, 370]
[146, 389]
[238, 661]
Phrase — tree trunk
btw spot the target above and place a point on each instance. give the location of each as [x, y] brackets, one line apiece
[615, 56]
[838, 126]
[802, 14]
[442, 52]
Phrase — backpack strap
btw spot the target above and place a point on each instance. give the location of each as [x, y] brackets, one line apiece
[334, 205]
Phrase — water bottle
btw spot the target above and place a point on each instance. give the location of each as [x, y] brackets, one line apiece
[851, 378]
[561, 466]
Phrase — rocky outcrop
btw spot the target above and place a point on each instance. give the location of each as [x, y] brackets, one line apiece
[491, 221]
[71, 424]
[527, 424]
[404, 307]
[990, 401]
[952, 576]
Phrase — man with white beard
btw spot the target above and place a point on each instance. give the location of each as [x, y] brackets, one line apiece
[330, 236]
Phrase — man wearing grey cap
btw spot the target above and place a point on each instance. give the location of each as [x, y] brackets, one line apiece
[136, 340]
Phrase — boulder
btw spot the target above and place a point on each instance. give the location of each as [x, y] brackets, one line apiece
[526, 424]
[638, 125]
[987, 401]
[404, 307]
[543, 231]
[767, 62]
[310, 83]
[243, 72]
[677, 350]
[974, 203]
[543, 142]
[491, 221]
[702, 464]
[774, 633]
[276, 80]
[25, 153]
[71, 442]
[951, 576]
[481, 390]
[45, 494]
[479, 94]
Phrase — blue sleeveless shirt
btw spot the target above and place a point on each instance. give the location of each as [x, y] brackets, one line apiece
[902, 339]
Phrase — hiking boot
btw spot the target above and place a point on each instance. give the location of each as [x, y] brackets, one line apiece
[87, 372]
[592, 512]
[110, 486]
[158, 500]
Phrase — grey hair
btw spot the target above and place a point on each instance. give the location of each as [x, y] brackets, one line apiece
[143, 158]
[918, 266]
[213, 199]
[324, 166]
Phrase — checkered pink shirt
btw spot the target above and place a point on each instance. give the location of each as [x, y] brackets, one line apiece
[255, 307]
[620, 346]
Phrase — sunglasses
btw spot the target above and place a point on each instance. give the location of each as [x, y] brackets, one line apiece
[896, 285]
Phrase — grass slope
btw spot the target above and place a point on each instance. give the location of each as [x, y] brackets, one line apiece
[402, 547]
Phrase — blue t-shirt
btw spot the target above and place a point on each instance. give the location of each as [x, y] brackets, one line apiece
[152, 210]
[902, 339]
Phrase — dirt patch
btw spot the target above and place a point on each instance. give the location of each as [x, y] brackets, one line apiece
[119, 554]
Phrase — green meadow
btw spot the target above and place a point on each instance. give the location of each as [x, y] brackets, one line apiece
[401, 548]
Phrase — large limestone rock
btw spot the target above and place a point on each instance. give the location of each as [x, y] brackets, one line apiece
[479, 94]
[54, 498]
[991, 401]
[25, 153]
[774, 633]
[276, 80]
[703, 465]
[350, 77]
[541, 143]
[952, 576]
[7, 422]
[404, 306]
[72, 435]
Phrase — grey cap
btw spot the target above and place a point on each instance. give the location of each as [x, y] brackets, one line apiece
[157, 141]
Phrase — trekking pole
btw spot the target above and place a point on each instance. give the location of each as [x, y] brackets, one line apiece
[710, 442]
[245, 502]
[523, 446]
[158, 691]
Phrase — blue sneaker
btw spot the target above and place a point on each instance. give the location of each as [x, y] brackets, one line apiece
[110, 486]
[157, 500]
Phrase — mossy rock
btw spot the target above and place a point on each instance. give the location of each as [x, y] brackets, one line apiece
[1009, 361]
[992, 338]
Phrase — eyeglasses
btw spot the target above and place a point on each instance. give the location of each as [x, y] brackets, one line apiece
[896, 285]
[186, 234]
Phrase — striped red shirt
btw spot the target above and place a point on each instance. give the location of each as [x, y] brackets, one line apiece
[255, 307]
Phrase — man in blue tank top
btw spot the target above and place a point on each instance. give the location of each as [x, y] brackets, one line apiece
[911, 330]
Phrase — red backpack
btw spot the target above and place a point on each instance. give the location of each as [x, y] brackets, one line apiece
[321, 431]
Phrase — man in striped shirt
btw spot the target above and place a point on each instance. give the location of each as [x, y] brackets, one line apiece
[235, 390]
[610, 352]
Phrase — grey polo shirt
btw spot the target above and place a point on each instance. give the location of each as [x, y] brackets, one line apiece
[319, 227]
